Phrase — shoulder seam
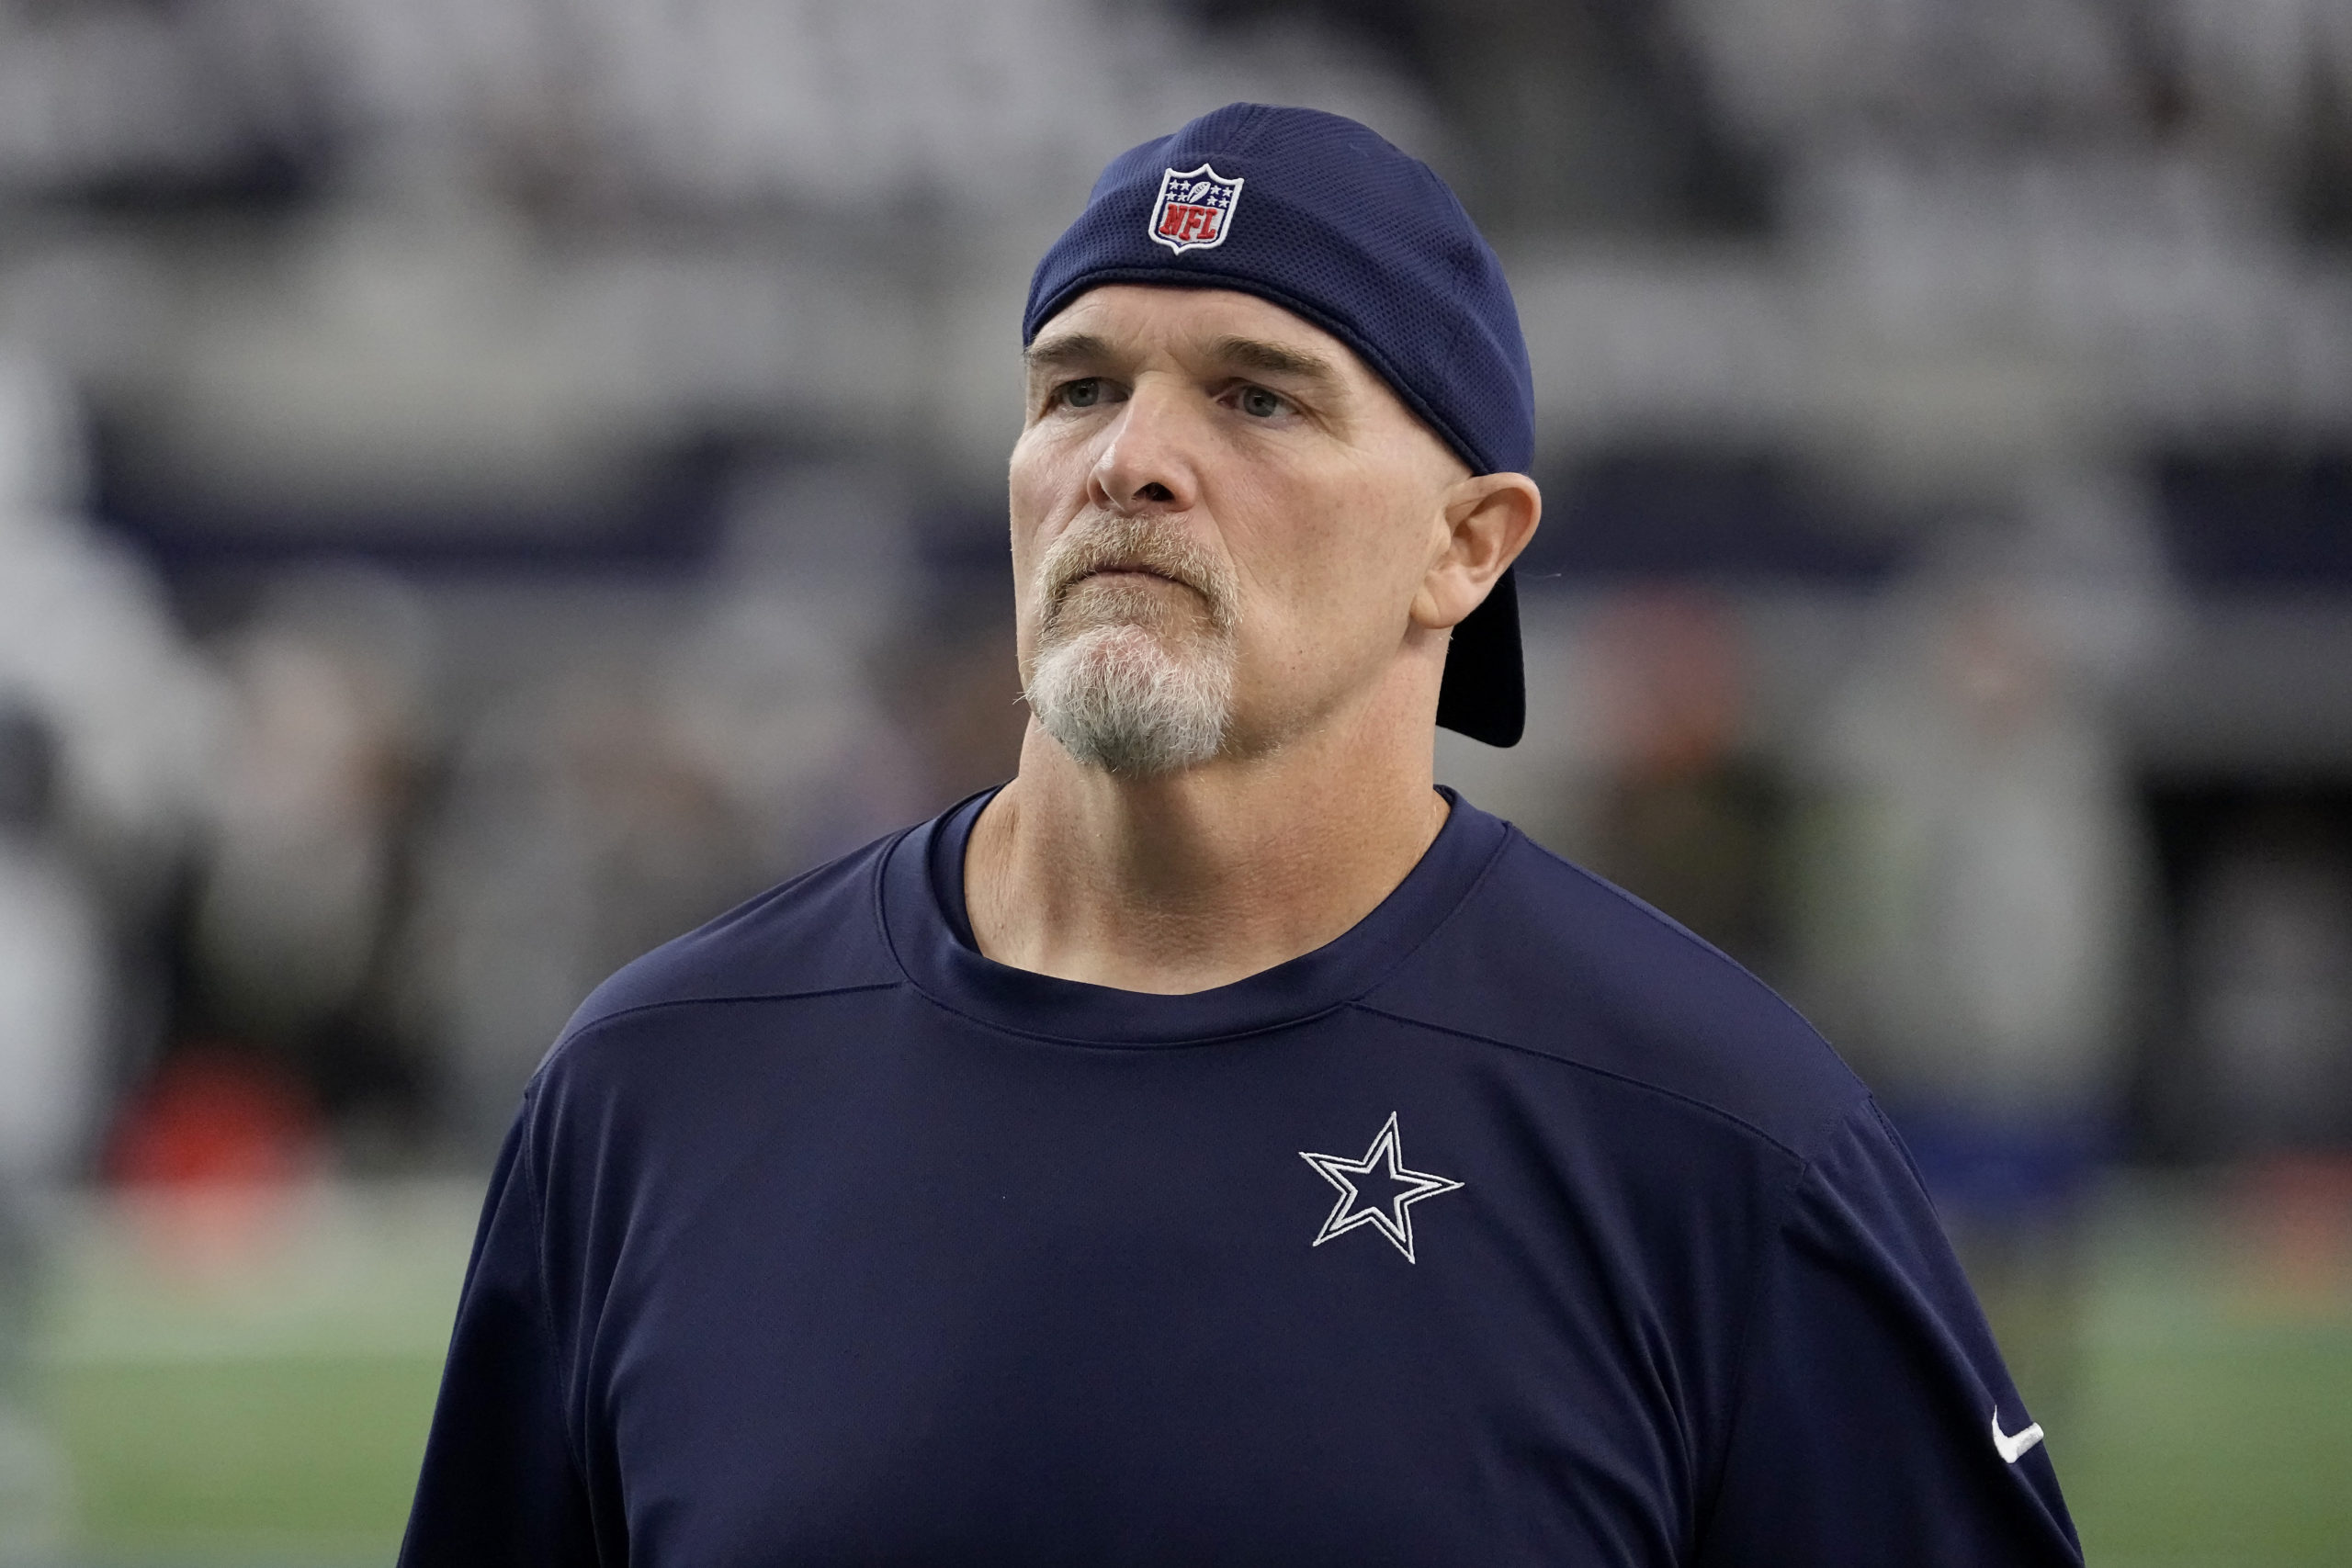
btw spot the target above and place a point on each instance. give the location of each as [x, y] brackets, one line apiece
[1627, 1079]
[603, 1018]
[1660, 918]
[1744, 1360]
[880, 847]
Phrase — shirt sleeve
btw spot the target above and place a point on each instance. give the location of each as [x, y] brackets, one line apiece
[501, 1484]
[1875, 1423]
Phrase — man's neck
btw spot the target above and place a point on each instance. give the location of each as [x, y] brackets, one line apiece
[1196, 879]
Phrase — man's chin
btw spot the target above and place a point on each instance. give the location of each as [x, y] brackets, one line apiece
[1120, 698]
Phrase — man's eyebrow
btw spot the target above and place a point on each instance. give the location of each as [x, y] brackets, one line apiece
[1081, 351]
[1273, 360]
[1072, 349]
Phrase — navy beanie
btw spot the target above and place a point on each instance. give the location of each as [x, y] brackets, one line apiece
[1322, 216]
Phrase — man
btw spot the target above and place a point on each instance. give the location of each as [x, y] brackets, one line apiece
[1219, 1145]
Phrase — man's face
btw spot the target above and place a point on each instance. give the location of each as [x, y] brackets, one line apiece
[1220, 520]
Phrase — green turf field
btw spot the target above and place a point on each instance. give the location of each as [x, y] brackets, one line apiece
[253, 1403]
[2213, 1428]
[271, 1413]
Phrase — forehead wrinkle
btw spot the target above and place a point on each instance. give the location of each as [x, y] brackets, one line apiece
[1277, 359]
[1081, 350]
[1070, 350]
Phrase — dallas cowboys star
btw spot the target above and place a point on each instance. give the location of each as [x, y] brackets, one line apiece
[1391, 1215]
[968, 1201]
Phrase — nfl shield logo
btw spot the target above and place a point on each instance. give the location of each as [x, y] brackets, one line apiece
[1195, 211]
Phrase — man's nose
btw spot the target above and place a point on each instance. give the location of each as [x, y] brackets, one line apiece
[1147, 465]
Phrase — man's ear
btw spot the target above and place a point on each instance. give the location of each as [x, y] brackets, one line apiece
[1485, 522]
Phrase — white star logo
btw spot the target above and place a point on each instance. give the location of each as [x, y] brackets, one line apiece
[1392, 1218]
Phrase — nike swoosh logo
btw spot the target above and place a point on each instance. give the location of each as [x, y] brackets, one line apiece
[2013, 1448]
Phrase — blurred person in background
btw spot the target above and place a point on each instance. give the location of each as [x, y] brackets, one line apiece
[594, 810]
[961, 1200]
[103, 719]
[2267, 962]
[820, 739]
[2269, 956]
[89, 645]
[53, 1047]
[303, 869]
[53, 962]
[1686, 820]
[1974, 877]
[107, 722]
[582, 826]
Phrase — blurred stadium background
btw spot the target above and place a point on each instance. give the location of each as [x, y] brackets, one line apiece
[484, 484]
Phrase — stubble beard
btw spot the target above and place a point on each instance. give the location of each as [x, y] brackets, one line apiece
[1134, 677]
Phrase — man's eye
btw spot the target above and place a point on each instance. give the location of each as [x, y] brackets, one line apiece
[1082, 394]
[1258, 403]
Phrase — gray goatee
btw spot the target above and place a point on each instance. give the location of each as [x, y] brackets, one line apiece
[1127, 676]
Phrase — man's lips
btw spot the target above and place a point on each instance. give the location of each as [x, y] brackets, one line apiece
[1129, 569]
[1126, 572]
[1115, 578]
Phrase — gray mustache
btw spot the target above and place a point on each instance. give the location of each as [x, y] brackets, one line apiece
[1121, 544]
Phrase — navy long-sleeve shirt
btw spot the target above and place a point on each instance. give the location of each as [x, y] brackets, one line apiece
[1516, 1225]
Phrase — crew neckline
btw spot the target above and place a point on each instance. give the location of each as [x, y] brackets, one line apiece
[922, 894]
